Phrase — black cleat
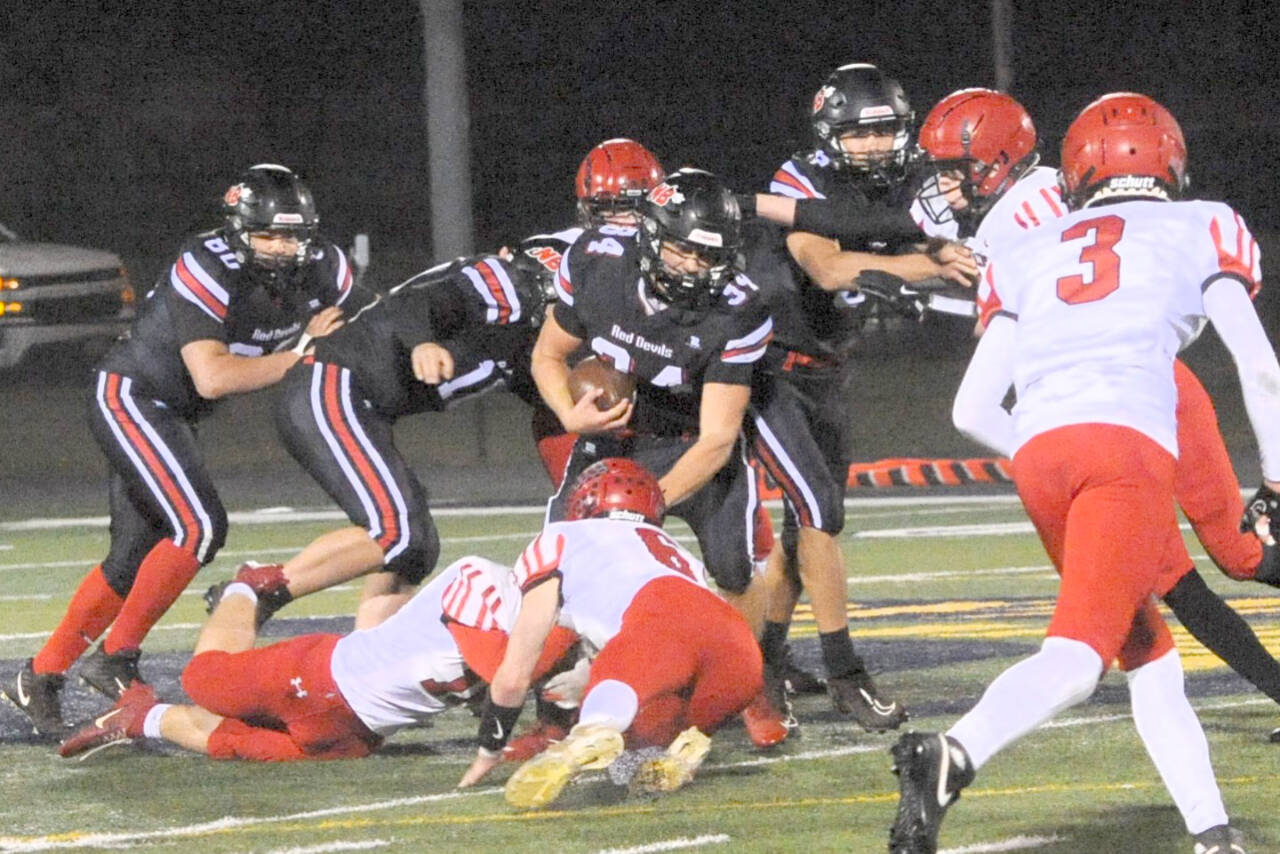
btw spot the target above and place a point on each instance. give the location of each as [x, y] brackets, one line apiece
[111, 674]
[931, 769]
[856, 696]
[1223, 839]
[267, 581]
[798, 680]
[36, 695]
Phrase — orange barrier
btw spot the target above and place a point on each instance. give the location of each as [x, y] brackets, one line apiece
[913, 472]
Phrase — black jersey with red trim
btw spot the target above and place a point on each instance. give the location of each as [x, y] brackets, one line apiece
[474, 308]
[808, 319]
[208, 295]
[604, 301]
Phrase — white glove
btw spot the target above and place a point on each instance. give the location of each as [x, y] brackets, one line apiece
[566, 689]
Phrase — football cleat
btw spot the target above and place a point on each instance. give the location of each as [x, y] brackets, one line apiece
[533, 741]
[111, 673]
[1223, 839]
[266, 579]
[120, 724]
[798, 680]
[768, 717]
[931, 769]
[676, 767]
[540, 781]
[37, 695]
[856, 696]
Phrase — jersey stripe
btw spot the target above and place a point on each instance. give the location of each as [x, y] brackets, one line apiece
[788, 181]
[1240, 259]
[564, 283]
[344, 276]
[750, 347]
[191, 281]
[1031, 213]
[1051, 201]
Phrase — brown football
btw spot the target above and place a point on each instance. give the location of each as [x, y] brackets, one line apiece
[592, 373]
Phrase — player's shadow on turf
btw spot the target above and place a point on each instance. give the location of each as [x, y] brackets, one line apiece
[1117, 828]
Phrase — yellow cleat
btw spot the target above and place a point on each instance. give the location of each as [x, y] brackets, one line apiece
[540, 781]
[675, 768]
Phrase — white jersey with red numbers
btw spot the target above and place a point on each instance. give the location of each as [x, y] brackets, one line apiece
[602, 564]
[402, 671]
[1104, 298]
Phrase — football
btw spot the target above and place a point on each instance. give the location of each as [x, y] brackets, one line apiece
[592, 373]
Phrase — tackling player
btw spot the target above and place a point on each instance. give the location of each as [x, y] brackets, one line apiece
[675, 661]
[1091, 310]
[233, 314]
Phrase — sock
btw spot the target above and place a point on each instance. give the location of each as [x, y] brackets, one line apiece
[239, 588]
[1224, 632]
[151, 724]
[91, 610]
[773, 643]
[611, 703]
[838, 654]
[164, 573]
[1175, 741]
[1064, 672]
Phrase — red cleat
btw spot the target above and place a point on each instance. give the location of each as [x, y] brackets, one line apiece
[766, 725]
[121, 723]
[533, 741]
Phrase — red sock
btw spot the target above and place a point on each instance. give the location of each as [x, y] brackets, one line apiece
[92, 609]
[164, 573]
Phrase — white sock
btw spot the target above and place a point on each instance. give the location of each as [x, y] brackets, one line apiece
[1064, 672]
[239, 588]
[151, 723]
[1175, 741]
[611, 703]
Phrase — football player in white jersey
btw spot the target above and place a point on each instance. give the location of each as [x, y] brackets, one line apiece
[1091, 310]
[328, 696]
[675, 660]
[982, 144]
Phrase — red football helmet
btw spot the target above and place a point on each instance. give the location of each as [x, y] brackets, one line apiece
[613, 179]
[617, 488]
[1123, 144]
[984, 135]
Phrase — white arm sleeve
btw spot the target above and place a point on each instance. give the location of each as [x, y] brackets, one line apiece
[977, 412]
[1232, 313]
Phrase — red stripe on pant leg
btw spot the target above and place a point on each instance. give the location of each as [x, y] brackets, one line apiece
[785, 482]
[190, 532]
[368, 476]
[92, 609]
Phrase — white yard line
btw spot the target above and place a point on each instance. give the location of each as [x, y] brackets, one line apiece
[672, 844]
[333, 846]
[1016, 843]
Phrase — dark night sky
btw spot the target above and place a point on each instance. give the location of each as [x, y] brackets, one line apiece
[123, 125]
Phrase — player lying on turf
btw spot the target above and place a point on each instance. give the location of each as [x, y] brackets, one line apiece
[675, 660]
[328, 696]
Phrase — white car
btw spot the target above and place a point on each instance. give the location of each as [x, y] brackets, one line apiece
[50, 293]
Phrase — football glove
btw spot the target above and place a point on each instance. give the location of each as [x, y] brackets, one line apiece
[906, 298]
[1265, 502]
[566, 689]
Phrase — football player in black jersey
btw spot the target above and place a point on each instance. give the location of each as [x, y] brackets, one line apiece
[666, 303]
[231, 315]
[800, 417]
[452, 331]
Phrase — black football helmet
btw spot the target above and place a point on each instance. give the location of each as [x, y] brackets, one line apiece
[697, 212]
[859, 97]
[272, 198]
[534, 265]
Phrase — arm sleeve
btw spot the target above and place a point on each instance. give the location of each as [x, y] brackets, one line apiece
[1227, 303]
[977, 411]
[855, 220]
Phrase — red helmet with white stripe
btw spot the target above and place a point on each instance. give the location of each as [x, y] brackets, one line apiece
[984, 135]
[613, 180]
[1123, 145]
[617, 488]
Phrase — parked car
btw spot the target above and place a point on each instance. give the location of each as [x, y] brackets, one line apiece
[51, 293]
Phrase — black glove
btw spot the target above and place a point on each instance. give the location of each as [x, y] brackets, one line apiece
[897, 293]
[1265, 502]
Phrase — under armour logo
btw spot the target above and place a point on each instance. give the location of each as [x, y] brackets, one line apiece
[298, 690]
[695, 342]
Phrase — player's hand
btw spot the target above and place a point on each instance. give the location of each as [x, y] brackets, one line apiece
[955, 263]
[432, 364]
[325, 321]
[483, 764]
[586, 418]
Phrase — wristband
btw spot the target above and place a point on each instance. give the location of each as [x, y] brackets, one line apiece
[747, 204]
[496, 723]
[304, 341]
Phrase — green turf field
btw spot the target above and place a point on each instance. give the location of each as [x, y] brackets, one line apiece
[943, 596]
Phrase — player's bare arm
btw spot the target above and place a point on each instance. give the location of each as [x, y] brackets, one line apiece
[217, 372]
[834, 269]
[549, 366]
[720, 415]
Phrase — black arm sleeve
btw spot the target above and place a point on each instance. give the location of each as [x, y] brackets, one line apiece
[428, 306]
[855, 220]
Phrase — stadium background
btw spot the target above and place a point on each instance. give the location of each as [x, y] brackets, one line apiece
[124, 122]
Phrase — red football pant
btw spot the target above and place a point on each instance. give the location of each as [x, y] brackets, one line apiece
[288, 691]
[689, 656]
[1205, 484]
[555, 451]
[482, 650]
[1101, 498]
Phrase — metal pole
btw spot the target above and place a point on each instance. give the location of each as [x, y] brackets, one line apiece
[448, 128]
[1002, 43]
